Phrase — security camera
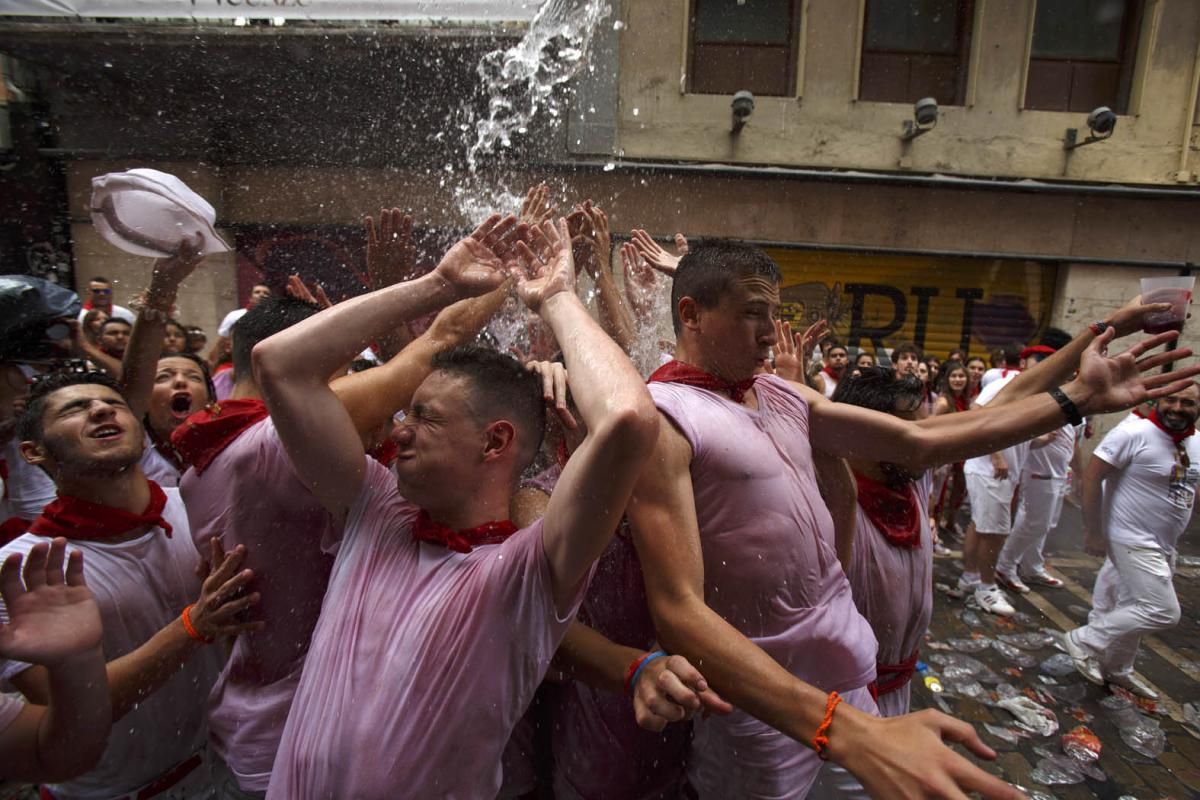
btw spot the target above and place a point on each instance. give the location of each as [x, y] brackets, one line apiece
[925, 111]
[1102, 121]
[743, 107]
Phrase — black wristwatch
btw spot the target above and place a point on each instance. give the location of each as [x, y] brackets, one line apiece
[1067, 405]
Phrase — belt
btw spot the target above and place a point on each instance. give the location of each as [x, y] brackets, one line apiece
[155, 787]
[900, 674]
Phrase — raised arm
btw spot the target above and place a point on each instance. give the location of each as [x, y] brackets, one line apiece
[1104, 384]
[140, 364]
[292, 367]
[902, 756]
[590, 497]
[615, 316]
[391, 259]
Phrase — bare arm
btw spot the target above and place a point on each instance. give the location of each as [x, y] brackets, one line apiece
[391, 259]
[376, 394]
[82, 347]
[293, 366]
[615, 317]
[840, 493]
[590, 497]
[1095, 540]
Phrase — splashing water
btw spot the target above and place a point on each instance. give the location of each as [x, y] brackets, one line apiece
[516, 84]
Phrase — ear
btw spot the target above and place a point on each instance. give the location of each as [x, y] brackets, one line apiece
[33, 453]
[689, 312]
[500, 439]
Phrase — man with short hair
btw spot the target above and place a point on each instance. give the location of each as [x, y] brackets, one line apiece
[1010, 357]
[905, 359]
[836, 358]
[258, 293]
[455, 614]
[99, 297]
[114, 337]
[158, 617]
[1139, 492]
[737, 547]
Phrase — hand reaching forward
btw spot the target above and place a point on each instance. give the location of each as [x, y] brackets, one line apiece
[476, 264]
[51, 616]
[654, 253]
[1113, 383]
[391, 253]
[547, 269]
[169, 272]
[640, 283]
[537, 207]
[788, 363]
[670, 690]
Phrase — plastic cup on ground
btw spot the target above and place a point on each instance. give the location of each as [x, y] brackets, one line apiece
[1177, 292]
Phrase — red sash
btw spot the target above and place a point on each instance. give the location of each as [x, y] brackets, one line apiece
[894, 511]
[896, 675]
[679, 372]
[83, 520]
[205, 434]
[424, 529]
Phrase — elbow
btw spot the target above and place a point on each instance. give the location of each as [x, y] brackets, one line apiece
[635, 426]
[267, 361]
[920, 450]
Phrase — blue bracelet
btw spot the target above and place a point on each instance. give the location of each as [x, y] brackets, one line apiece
[642, 666]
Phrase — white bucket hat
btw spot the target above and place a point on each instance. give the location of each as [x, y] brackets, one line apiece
[148, 213]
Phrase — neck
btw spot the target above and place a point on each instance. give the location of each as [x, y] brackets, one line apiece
[488, 504]
[125, 489]
[245, 390]
[689, 353]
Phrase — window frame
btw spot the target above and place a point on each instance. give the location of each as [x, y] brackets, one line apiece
[965, 23]
[796, 17]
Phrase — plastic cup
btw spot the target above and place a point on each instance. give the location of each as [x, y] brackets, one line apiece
[1177, 292]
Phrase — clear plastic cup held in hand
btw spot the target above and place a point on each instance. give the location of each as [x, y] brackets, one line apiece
[1177, 291]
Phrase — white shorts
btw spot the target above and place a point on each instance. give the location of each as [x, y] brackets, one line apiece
[991, 503]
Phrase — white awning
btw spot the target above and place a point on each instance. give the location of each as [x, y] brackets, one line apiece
[456, 11]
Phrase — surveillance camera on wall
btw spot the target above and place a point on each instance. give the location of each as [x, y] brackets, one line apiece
[1102, 121]
[743, 107]
[925, 111]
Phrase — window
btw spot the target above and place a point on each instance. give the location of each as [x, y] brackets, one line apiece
[1082, 55]
[916, 48]
[746, 44]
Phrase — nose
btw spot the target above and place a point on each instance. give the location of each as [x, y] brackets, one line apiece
[101, 411]
[403, 435]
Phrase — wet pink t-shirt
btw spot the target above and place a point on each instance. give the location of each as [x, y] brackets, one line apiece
[771, 571]
[249, 495]
[422, 662]
[893, 589]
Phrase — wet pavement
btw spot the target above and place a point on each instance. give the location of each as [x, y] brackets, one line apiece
[1130, 734]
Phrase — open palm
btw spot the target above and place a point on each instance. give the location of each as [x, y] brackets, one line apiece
[547, 268]
[1118, 382]
[475, 265]
[51, 616]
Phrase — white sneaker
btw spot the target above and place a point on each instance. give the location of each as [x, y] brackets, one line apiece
[1085, 665]
[1011, 582]
[992, 600]
[1044, 578]
[964, 587]
[1133, 683]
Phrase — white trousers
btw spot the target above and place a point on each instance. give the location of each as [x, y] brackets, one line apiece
[1133, 596]
[1038, 510]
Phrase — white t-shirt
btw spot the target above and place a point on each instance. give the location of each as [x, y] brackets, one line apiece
[1052, 460]
[118, 312]
[140, 586]
[28, 489]
[1147, 501]
[1015, 455]
[995, 374]
[226, 327]
[157, 467]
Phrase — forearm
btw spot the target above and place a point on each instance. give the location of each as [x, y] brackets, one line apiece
[373, 396]
[615, 317]
[1092, 502]
[391, 344]
[100, 358]
[1048, 373]
[145, 344]
[594, 659]
[312, 350]
[73, 729]
[135, 676]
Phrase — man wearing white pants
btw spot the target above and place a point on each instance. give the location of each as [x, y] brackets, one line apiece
[1043, 485]
[1149, 469]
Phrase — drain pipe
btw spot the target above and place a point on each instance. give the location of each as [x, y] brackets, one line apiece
[1189, 121]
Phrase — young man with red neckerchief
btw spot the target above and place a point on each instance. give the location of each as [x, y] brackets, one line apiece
[1139, 493]
[159, 618]
[836, 359]
[737, 547]
[441, 618]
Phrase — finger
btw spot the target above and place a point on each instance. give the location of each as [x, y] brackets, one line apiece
[35, 566]
[674, 689]
[964, 733]
[1176, 386]
[681, 244]
[1152, 342]
[547, 384]
[322, 298]
[665, 708]
[231, 608]
[75, 569]
[216, 550]
[230, 588]
[369, 225]
[566, 418]
[237, 628]
[10, 579]
[225, 568]
[560, 387]
[715, 704]
[648, 720]
[54, 562]
[786, 342]
[526, 264]
[491, 241]
[973, 779]
[485, 227]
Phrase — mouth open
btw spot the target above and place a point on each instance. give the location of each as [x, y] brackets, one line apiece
[181, 404]
[107, 432]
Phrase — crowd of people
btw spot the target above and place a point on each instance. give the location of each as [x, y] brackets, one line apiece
[357, 551]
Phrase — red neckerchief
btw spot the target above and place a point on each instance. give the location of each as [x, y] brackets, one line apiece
[205, 434]
[222, 367]
[1176, 436]
[893, 511]
[83, 520]
[386, 451]
[831, 374]
[1004, 372]
[960, 402]
[89, 307]
[1137, 412]
[679, 372]
[424, 529]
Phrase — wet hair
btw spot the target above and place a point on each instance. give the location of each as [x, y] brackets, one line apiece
[710, 269]
[905, 349]
[878, 389]
[944, 376]
[202, 364]
[501, 388]
[269, 317]
[117, 320]
[29, 426]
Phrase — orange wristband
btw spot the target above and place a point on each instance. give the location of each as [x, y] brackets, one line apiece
[820, 739]
[186, 617]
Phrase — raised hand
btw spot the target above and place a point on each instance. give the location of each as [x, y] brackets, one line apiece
[476, 265]
[579, 226]
[536, 208]
[554, 389]
[600, 239]
[789, 365]
[1128, 318]
[547, 269]
[1113, 383]
[655, 255]
[52, 616]
[391, 253]
[670, 689]
[640, 282]
[296, 288]
[169, 272]
[219, 609]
